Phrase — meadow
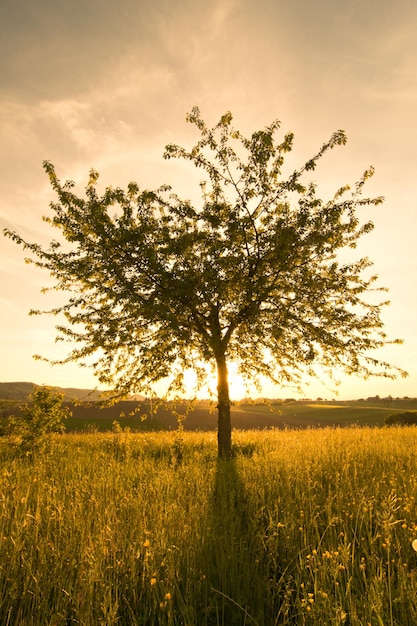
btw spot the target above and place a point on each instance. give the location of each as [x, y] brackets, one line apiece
[310, 526]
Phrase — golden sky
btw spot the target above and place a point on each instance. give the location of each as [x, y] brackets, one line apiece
[107, 85]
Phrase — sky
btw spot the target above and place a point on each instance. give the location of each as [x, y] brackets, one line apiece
[106, 85]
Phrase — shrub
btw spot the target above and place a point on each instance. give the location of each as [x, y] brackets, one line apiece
[406, 418]
[41, 416]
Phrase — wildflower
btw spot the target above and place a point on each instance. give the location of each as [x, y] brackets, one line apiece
[153, 581]
[168, 596]
[414, 544]
[147, 544]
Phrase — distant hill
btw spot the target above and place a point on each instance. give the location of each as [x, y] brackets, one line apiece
[135, 412]
[19, 391]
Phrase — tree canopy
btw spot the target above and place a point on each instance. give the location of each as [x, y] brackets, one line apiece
[251, 275]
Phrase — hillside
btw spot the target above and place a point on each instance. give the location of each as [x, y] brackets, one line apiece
[136, 414]
[19, 391]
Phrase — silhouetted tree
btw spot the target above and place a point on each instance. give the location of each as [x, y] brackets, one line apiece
[251, 275]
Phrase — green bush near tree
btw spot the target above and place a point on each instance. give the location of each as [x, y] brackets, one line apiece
[406, 418]
[39, 418]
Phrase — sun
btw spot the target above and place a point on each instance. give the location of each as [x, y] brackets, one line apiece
[237, 387]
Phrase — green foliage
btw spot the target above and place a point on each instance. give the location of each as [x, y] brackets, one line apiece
[300, 528]
[406, 418]
[39, 418]
[252, 275]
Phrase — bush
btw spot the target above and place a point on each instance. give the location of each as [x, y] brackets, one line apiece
[406, 418]
[41, 416]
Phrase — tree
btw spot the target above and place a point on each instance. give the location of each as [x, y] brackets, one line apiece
[158, 285]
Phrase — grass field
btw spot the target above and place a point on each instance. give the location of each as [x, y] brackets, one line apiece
[301, 527]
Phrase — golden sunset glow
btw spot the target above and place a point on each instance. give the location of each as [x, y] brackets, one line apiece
[108, 85]
[238, 388]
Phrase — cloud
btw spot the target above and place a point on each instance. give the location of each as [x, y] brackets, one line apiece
[106, 85]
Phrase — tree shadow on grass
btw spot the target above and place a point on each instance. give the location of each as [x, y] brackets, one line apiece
[234, 582]
[247, 575]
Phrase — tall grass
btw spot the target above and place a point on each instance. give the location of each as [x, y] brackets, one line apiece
[307, 527]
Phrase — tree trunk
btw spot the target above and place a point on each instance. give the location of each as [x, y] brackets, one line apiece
[224, 429]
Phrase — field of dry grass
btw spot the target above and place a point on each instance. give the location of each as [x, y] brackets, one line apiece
[301, 527]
